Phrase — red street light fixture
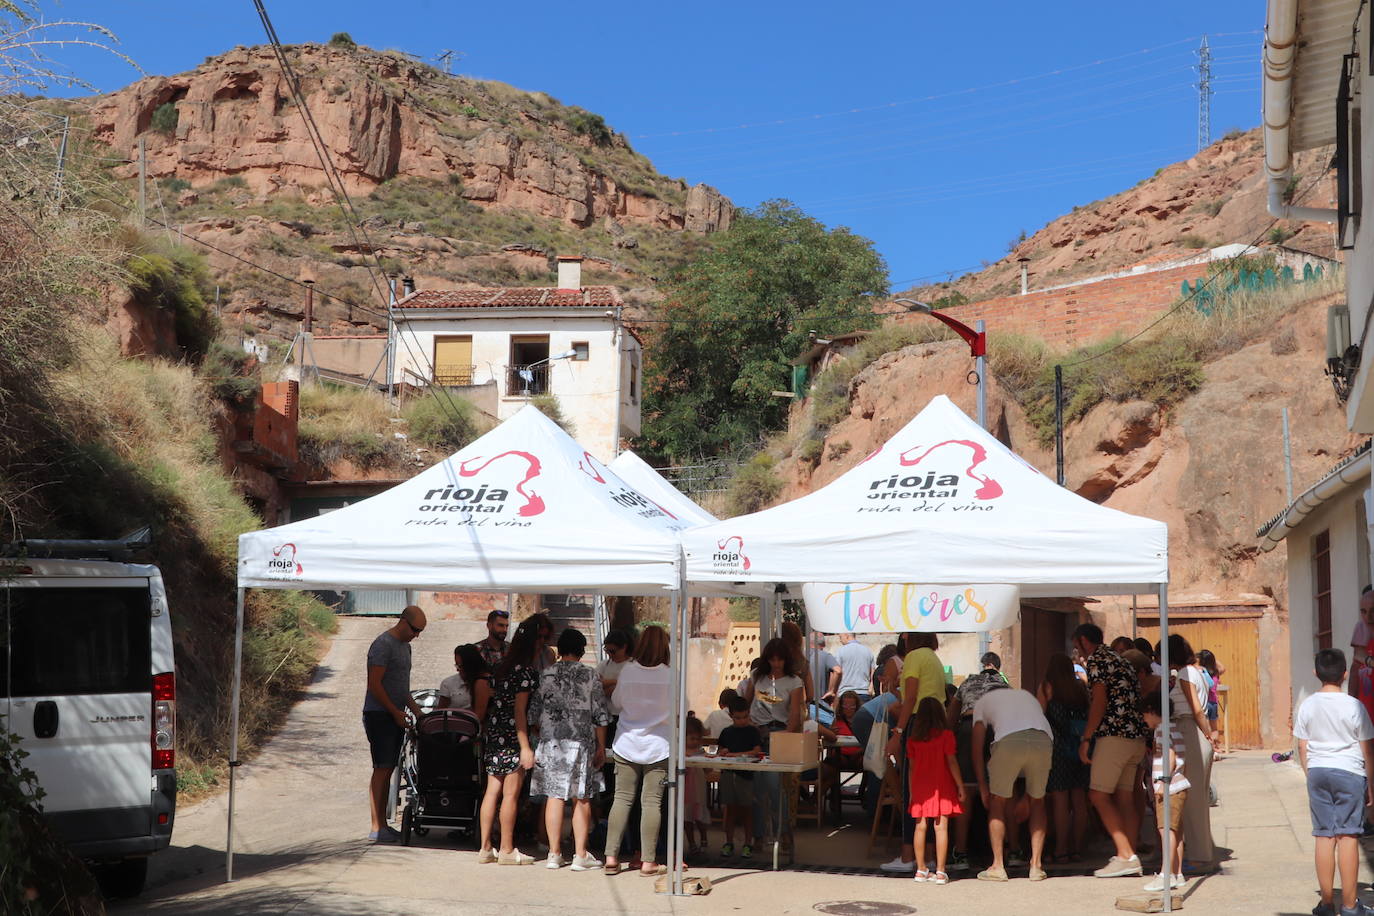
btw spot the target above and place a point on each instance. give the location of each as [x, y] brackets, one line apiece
[977, 340]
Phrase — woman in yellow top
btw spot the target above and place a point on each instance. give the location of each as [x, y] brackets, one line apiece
[923, 675]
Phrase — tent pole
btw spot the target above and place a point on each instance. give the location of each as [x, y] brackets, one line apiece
[680, 751]
[1135, 620]
[234, 733]
[1165, 868]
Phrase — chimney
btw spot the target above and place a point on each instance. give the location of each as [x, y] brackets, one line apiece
[408, 285]
[1025, 274]
[309, 322]
[569, 272]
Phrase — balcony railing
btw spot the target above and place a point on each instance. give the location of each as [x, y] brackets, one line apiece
[451, 374]
[527, 381]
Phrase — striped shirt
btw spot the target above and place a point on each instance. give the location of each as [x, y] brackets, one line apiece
[1179, 782]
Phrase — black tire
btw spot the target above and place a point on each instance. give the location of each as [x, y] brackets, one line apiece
[122, 879]
[407, 822]
[422, 831]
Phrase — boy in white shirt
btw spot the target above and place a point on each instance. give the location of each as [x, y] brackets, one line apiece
[1166, 775]
[1334, 734]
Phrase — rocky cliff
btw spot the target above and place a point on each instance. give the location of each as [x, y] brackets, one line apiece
[383, 115]
[1216, 197]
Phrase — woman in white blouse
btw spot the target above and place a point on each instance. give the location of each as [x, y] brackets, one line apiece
[1188, 709]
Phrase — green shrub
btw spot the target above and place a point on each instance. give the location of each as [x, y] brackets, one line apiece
[165, 118]
[589, 125]
[441, 422]
[176, 185]
[227, 370]
[1193, 241]
[471, 111]
[754, 486]
[177, 279]
[343, 40]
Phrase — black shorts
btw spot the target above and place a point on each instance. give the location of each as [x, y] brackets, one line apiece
[385, 736]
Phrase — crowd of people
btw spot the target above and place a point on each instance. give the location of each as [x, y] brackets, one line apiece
[1033, 768]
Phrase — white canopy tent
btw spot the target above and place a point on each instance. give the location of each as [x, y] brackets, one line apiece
[524, 508]
[941, 503]
[635, 471]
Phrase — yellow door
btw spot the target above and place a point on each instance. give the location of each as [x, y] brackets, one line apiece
[453, 360]
[1234, 640]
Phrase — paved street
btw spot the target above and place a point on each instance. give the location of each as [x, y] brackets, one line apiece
[302, 817]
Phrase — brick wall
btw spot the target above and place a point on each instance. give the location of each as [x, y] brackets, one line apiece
[1065, 318]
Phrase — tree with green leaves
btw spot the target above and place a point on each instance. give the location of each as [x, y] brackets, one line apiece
[735, 318]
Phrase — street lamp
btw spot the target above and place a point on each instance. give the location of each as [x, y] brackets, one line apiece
[526, 373]
[977, 340]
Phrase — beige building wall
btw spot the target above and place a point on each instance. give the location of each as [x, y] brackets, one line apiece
[587, 390]
[354, 355]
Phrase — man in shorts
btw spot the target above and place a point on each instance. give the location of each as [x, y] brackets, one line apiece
[1115, 721]
[384, 718]
[1023, 749]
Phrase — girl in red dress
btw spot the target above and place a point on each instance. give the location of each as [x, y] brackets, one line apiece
[937, 787]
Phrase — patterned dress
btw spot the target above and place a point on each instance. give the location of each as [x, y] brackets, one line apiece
[570, 705]
[501, 743]
[1067, 770]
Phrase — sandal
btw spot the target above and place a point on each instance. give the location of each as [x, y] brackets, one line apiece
[921, 876]
[654, 871]
[940, 878]
[611, 869]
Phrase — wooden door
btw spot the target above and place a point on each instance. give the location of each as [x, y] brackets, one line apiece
[453, 360]
[1234, 640]
[1043, 633]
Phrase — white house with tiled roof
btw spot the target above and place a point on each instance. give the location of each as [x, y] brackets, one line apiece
[567, 340]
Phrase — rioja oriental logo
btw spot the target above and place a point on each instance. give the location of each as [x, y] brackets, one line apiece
[484, 497]
[728, 557]
[935, 483]
[284, 560]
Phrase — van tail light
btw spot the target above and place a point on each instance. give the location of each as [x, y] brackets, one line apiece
[164, 721]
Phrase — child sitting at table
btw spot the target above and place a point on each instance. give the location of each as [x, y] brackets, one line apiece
[937, 787]
[741, 739]
[697, 812]
[719, 720]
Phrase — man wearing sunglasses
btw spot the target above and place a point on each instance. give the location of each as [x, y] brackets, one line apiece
[384, 718]
[493, 648]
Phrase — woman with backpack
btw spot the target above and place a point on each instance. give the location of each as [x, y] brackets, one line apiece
[1065, 701]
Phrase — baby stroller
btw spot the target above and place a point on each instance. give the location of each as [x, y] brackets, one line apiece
[443, 773]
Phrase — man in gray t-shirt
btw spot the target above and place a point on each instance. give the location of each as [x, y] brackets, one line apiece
[856, 667]
[384, 705]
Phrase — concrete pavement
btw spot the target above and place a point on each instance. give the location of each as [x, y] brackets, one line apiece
[302, 817]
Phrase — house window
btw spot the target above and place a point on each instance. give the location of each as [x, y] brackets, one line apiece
[1321, 590]
[528, 369]
[453, 360]
[580, 349]
[634, 378]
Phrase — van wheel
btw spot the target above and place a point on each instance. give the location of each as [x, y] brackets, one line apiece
[124, 878]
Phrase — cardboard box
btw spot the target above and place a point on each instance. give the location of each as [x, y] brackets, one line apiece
[794, 747]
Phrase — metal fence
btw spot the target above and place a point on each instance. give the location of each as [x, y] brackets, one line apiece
[710, 477]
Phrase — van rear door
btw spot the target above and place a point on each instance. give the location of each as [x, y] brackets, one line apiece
[78, 673]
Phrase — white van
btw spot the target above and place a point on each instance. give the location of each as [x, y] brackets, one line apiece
[87, 671]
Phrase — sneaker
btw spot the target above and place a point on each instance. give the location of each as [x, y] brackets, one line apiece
[747, 852]
[1156, 883]
[1118, 867]
[1321, 909]
[921, 876]
[897, 866]
[1037, 874]
[1359, 909]
[939, 878]
[387, 834]
[1178, 881]
[554, 861]
[993, 873]
[486, 856]
[516, 857]
[727, 850]
[958, 862]
[588, 862]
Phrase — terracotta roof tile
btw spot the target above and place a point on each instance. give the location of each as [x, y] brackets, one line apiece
[512, 297]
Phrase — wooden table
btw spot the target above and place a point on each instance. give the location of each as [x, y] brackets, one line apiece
[755, 765]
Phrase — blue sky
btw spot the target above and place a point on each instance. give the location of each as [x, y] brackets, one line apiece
[940, 131]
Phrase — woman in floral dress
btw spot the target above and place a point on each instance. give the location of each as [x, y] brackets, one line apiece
[572, 714]
[506, 748]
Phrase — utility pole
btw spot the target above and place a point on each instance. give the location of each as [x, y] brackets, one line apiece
[445, 57]
[62, 157]
[142, 183]
[1204, 95]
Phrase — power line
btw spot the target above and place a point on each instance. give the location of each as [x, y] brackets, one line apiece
[345, 202]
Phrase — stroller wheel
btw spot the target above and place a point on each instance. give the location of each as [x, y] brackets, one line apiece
[407, 823]
[422, 831]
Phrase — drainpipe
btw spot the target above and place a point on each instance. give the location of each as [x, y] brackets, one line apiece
[1280, 53]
